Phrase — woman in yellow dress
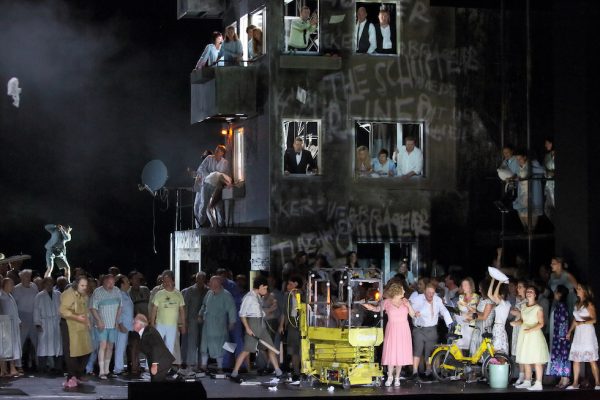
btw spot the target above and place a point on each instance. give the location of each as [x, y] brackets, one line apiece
[532, 349]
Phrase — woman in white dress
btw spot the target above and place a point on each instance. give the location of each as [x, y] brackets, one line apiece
[483, 315]
[500, 338]
[584, 347]
[467, 301]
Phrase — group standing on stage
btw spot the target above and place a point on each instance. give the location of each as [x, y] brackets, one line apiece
[546, 325]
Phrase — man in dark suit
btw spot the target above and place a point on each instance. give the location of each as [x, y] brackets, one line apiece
[152, 345]
[298, 160]
[366, 42]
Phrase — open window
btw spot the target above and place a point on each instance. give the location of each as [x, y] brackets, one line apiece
[301, 24]
[253, 34]
[377, 28]
[389, 149]
[301, 147]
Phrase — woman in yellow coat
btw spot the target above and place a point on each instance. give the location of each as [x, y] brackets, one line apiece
[75, 330]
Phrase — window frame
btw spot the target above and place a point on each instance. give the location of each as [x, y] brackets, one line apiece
[398, 19]
[239, 155]
[284, 148]
[261, 10]
[421, 143]
[286, 36]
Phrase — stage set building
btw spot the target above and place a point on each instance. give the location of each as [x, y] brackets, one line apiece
[438, 84]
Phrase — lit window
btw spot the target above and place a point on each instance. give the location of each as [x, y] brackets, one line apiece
[254, 40]
[301, 24]
[301, 147]
[389, 149]
[376, 27]
[238, 155]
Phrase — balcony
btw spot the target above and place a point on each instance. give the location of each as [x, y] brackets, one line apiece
[303, 61]
[223, 93]
[200, 9]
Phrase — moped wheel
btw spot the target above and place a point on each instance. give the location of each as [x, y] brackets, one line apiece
[441, 374]
[500, 357]
[346, 384]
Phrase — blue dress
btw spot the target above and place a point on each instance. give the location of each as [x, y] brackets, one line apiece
[559, 364]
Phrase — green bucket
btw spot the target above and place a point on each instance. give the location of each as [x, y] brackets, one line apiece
[498, 375]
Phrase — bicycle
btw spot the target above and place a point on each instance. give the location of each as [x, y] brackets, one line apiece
[449, 363]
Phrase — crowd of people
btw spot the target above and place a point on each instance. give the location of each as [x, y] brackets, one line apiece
[529, 186]
[102, 326]
[227, 49]
[406, 162]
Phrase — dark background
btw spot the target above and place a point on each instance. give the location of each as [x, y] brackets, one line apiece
[106, 89]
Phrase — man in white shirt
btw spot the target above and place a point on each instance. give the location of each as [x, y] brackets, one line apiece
[409, 159]
[252, 316]
[386, 36]
[428, 309]
[366, 41]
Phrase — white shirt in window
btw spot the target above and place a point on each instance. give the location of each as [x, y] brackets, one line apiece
[386, 33]
[298, 158]
[409, 162]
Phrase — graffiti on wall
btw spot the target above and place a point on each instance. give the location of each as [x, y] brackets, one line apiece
[343, 224]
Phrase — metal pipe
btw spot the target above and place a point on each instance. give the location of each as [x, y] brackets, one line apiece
[528, 130]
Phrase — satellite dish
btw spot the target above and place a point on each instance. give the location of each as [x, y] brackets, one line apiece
[154, 176]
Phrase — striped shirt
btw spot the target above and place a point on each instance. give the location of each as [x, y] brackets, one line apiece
[107, 304]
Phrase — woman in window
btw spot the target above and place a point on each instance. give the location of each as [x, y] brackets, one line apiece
[584, 347]
[210, 55]
[364, 165]
[257, 43]
[382, 165]
[232, 50]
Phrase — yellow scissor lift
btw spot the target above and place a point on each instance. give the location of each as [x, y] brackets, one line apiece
[335, 348]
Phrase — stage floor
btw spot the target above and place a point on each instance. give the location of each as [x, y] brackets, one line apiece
[37, 387]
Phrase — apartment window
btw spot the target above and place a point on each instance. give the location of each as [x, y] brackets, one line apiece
[301, 24]
[238, 155]
[376, 29]
[301, 147]
[389, 149]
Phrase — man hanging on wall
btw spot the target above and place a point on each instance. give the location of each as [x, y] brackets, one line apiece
[212, 163]
[56, 249]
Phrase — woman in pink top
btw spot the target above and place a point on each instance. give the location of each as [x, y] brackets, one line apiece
[397, 346]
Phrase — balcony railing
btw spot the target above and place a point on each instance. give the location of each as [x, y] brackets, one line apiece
[223, 92]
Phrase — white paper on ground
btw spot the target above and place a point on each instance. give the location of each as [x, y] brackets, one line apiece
[230, 347]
